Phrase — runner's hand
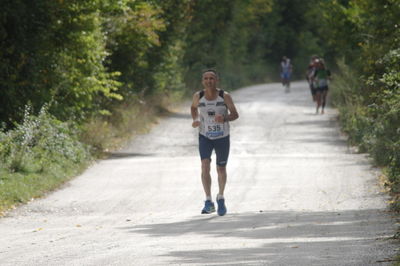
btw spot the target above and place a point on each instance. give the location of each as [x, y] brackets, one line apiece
[219, 118]
[196, 123]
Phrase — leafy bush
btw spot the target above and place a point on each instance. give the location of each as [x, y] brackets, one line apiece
[37, 156]
[375, 127]
[387, 117]
[39, 142]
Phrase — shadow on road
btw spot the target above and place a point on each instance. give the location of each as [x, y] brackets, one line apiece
[123, 155]
[318, 132]
[320, 123]
[359, 237]
[180, 115]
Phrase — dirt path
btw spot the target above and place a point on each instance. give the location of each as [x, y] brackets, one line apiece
[296, 195]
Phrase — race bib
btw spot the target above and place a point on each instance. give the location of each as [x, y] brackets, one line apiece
[212, 128]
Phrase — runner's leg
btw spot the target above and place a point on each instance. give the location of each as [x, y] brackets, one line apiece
[324, 94]
[222, 176]
[222, 153]
[312, 89]
[205, 148]
[318, 98]
[206, 177]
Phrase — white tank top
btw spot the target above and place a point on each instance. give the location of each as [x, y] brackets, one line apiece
[208, 109]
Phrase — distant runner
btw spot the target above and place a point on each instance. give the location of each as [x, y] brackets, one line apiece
[321, 78]
[286, 72]
[310, 76]
[211, 110]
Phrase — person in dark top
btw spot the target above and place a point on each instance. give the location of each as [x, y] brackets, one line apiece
[321, 78]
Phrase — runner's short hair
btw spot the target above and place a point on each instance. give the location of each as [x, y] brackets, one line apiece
[210, 70]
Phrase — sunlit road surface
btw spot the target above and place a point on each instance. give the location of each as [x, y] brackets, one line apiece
[296, 195]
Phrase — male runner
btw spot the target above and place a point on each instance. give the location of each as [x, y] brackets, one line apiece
[211, 110]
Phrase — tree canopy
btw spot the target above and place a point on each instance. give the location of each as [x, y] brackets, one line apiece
[81, 57]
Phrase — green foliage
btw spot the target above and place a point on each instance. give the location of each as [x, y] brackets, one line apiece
[38, 142]
[245, 40]
[166, 60]
[168, 76]
[36, 156]
[132, 32]
[370, 106]
[386, 111]
[53, 57]
[239, 39]
[207, 39]
[81, 80]
[79, 57]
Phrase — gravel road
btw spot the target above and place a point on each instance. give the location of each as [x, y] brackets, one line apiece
[296, 195]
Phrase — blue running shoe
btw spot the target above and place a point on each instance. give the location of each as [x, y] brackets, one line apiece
[208, 207]
[221, 207]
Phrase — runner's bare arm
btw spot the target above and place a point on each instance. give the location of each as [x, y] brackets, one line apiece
[233, 114]
[194, 110]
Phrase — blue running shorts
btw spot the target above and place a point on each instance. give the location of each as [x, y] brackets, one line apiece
[285, 75]
[221, 147]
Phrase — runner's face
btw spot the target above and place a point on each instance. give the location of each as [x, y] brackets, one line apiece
[209, 80]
